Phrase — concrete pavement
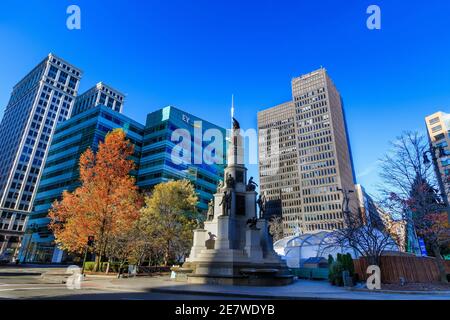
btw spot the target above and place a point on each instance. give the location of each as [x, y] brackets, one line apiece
[27, 283]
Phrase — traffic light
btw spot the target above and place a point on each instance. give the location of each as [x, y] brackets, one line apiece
[90, 241]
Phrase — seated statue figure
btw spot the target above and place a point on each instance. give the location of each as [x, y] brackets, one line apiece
[251, 185]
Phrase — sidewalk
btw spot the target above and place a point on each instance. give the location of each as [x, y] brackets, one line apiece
[301, 289]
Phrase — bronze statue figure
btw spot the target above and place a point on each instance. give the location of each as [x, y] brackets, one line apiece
[236, 125]
[230, 181]
[251, 185]
[226, 202]
[262, 205]
[252, 223]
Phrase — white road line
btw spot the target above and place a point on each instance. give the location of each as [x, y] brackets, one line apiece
[33, 288]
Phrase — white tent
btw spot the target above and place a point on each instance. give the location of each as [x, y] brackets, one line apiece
[297, 249]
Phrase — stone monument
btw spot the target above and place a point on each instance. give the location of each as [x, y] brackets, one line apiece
[234, 246]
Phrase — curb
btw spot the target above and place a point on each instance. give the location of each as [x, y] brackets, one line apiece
[238, 295]
[444, 292]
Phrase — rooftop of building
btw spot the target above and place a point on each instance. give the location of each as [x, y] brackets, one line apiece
[99, 86]
[167, 113]
[272, 109]
[48, 57]
[104, 109]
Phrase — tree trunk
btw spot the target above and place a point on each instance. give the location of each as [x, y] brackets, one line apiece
[440, 263]
[107, 267]
[97, 262]
[167, 254]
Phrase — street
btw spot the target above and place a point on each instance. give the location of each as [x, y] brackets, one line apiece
[27, 283]
[46, 282]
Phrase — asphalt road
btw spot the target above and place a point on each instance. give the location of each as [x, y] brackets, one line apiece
[28, 284]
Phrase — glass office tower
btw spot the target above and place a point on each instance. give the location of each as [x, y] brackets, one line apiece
[40, 101]
[156, 162]
[61, 172]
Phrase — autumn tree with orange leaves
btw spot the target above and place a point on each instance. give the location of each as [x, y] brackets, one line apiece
[107, 203]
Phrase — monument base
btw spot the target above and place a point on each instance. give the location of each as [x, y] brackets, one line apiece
[239, 273]
[281, 280]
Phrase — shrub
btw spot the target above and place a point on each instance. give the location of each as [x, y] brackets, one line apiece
[336, 267]
[89, 265]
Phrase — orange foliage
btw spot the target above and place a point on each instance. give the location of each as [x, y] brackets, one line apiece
[105, 205]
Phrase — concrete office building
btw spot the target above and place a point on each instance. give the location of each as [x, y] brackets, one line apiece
[100, 94]
[41, 100]
[61, 172]
[315, 160]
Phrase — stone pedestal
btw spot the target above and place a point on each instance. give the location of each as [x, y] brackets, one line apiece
[223, 230]
[200, 238]
[253, 245]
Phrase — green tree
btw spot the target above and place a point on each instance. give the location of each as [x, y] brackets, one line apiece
[170, 216]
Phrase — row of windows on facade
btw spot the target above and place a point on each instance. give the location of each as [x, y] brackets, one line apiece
[315, 109]
[319, 173]
[320, 181]
[317, 165]
[315, 135]
[323, 216]
[311, 121]
[280, 124]
[324, 226]
[312, 93]
[300, 88]
[317, 157]
[63, 76]
[13, 124]
[24, 87]
[314, 127]
[317, 149]
[319, 190]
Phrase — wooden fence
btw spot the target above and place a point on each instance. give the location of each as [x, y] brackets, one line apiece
[411, 268]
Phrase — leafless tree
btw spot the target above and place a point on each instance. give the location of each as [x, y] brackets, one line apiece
[410, 191]
[366, 236]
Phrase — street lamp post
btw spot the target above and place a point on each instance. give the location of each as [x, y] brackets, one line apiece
[432, 151]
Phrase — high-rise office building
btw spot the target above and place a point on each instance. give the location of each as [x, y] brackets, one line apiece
[40, 101]
[315, 162]
[157, 165]
[438, 126]
[100, 94]
[61, 172]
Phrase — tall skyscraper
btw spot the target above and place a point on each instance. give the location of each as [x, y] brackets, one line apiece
[100, 94]
[315, 161]
[438, 126]
[40, 101]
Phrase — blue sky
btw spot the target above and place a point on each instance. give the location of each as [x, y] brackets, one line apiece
[195, 54]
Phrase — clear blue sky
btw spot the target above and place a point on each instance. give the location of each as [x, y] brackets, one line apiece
[195, 54]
